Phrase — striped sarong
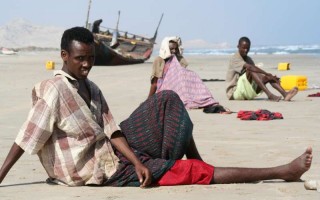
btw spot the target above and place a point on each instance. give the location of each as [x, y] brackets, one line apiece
[186, 83]
[158, 132]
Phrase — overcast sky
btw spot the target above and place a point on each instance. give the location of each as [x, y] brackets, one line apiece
[265, 22]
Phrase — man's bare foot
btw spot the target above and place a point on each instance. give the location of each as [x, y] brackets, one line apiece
[294, 170]
[291, 94]
[274, 98]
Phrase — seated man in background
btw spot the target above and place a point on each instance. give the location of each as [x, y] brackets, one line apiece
[245, 80]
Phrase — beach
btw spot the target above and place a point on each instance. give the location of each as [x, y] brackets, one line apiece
[222, 139]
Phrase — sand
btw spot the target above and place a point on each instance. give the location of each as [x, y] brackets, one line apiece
[223, 140]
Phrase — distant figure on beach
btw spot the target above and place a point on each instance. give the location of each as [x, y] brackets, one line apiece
[245, 80]
[169, 73]
[96, 26]
[72, 130]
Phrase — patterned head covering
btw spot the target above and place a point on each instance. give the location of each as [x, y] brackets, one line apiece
[164, 51]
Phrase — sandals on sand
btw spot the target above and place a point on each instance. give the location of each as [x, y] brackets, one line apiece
[217, 109]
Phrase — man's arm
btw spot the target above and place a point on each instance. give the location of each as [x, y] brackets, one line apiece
[14, 154]
[256, 69]
[153, 86]
[120, 143]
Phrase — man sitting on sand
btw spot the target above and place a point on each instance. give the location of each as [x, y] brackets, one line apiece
[245, 81]
[169, 72]
[71, 128]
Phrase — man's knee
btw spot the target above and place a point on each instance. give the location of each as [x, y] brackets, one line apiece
[252, 75]
[169, 95]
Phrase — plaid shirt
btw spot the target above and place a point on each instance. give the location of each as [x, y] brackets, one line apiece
[71, 139]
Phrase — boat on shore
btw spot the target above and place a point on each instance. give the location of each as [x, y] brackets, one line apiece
[6, 51]
[116, 47]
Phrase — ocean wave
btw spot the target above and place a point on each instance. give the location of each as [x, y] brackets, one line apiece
[261, 50]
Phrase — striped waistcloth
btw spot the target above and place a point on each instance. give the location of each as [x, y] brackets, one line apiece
[158, 132]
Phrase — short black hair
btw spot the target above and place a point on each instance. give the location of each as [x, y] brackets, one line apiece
[244, 39]
[80, 34]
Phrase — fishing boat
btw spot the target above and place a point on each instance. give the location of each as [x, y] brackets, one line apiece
[115, 47]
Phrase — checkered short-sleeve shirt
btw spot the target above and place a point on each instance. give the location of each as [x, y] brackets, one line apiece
[70, 138]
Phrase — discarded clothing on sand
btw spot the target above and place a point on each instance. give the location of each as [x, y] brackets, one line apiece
[259, 115]
[314, 95]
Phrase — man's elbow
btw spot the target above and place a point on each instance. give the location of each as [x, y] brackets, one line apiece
[249, 67]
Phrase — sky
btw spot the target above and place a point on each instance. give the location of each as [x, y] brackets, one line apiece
[200, 23]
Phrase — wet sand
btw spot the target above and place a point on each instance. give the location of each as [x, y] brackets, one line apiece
[223, 140]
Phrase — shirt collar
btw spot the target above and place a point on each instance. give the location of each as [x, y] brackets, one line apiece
[71, 79]
[63, 73]
[238, 54]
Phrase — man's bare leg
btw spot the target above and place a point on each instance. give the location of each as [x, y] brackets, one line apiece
[291, 94]
[286, 95]
[262, 85]
[289, 172]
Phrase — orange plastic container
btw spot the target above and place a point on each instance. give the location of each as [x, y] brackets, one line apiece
[290, 81]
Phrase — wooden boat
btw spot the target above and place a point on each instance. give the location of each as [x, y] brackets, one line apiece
[115, 47]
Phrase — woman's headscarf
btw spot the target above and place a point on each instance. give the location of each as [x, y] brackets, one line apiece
[164, 51]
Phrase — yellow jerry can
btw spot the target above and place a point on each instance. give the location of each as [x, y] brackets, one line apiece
[50, 65]
[290, 81]
[283, 66]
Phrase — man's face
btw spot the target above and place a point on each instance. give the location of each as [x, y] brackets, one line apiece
[173, 48]
[244, 48]
[79, 60]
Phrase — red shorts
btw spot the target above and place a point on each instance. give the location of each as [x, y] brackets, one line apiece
[187, 172]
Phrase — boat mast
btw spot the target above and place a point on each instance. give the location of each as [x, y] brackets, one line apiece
[114, 40]
[156, 33]
[118, 20]
[87, 21]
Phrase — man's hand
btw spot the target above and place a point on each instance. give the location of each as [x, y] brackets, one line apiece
[120, 143]
[144, 175]
[273, 78]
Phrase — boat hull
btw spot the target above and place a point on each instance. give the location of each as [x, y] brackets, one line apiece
[106, 56]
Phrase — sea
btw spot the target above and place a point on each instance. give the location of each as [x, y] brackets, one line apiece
[271, 50]
[263, 50]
